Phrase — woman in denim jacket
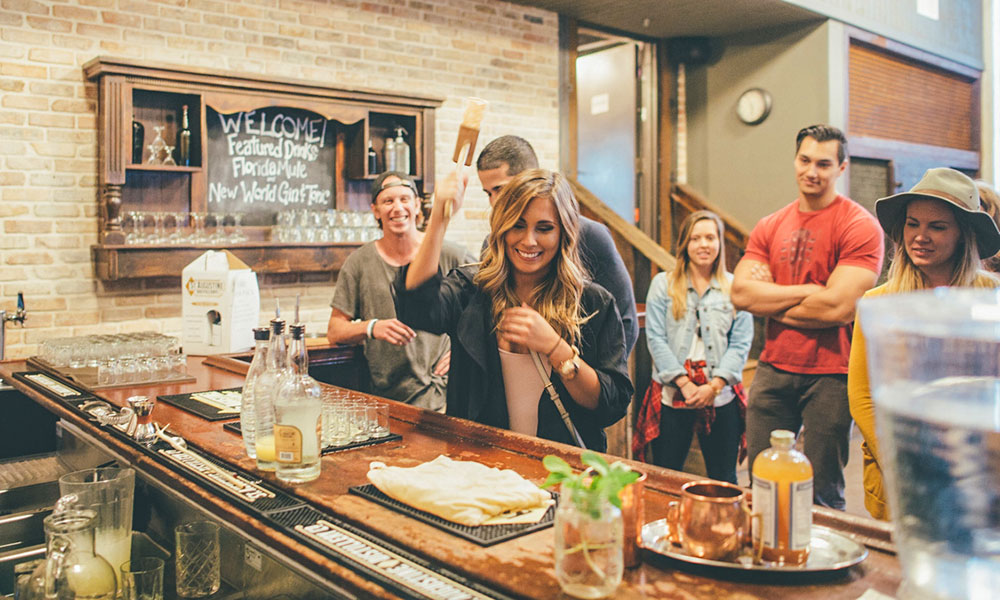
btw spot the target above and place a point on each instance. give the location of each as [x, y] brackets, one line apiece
[699, 344]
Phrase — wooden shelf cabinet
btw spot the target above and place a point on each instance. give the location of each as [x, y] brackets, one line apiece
[258, 145]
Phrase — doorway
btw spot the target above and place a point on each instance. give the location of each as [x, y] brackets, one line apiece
[616, 116]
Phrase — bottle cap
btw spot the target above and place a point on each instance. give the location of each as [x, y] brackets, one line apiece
[277, 326]
[298, 331]
[782, 437]
[261, 333]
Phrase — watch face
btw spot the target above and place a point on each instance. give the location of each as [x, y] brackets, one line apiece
[753, 106]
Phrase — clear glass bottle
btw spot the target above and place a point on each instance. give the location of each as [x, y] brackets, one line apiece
[298, 417]
[783, 496]
[248, 416]
[264, 393]
[184, 140]
[402, 151]
[71, 570]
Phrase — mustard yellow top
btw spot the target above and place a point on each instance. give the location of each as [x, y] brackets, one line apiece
[859, 395]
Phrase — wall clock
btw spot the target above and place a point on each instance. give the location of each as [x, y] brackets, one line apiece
[753, 106]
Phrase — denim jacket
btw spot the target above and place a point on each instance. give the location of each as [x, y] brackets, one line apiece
[727, 334]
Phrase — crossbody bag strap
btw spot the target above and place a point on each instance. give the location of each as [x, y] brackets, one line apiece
[551, 389]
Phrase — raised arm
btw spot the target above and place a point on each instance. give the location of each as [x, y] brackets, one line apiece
[425, 264]
[762, 297]
[833, 305]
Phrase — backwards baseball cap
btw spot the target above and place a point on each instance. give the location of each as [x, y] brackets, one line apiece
[402, 179]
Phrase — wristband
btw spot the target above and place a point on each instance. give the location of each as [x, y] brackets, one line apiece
[549, 353]
[371, 329]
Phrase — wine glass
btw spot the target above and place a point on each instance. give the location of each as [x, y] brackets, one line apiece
[237, 235]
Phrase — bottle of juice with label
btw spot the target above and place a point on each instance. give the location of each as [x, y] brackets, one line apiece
[783, 497]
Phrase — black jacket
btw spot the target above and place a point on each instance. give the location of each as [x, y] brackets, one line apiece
[456, 306]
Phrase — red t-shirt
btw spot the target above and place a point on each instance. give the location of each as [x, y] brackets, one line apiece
[805, 247]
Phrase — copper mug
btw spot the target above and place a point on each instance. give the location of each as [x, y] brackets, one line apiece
[711, 520]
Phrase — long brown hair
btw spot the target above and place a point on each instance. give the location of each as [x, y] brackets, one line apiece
[680, 278]
[966, 271]
[557, 296]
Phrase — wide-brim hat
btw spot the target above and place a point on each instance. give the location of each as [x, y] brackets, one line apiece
[950, 186]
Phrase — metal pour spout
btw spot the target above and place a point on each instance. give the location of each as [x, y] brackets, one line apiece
[17, 317]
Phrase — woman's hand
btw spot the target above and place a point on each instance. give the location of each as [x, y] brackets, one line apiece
[522, 325]
[701, 397]
[450, 190]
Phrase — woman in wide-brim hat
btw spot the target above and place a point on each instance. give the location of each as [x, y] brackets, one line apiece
[939, 233]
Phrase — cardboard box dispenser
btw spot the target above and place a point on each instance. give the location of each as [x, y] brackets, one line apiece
[221, 304]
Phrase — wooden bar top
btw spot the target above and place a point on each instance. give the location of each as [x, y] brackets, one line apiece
[522, 567]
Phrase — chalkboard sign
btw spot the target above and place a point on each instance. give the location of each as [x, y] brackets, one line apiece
[269, 160]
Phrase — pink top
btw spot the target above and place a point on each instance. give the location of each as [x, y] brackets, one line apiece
[523, 387]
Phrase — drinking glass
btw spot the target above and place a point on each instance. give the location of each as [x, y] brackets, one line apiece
[142, 579]
[134, 231]
[198, 228]
[237, 235]
[218, 235]
[934, 369]
[380, 422]
[177, 235]
[358, 411]
[197, 556]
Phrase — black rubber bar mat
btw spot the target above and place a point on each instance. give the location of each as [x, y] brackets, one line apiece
[53, 387]
[392, 437]
[204, 410]
[484, 535]
[408, 575]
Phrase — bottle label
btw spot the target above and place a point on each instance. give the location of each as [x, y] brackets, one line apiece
[765, 503]
[288, 444]
[801, 514]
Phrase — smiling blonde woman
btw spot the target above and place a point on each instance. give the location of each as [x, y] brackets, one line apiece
[939, 233]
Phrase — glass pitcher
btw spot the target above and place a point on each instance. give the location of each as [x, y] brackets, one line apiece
[71, 570]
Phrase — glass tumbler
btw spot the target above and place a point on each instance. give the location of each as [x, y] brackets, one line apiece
[142, 579]
[198, 560]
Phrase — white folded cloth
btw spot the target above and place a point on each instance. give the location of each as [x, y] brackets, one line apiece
[464, 492]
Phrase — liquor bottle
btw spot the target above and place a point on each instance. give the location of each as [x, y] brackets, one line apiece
[248, 414]
[138, 139]
[372, 159]
[389, 149]
[783, 496]
[264, 392]
[298, 409]
[184, 140]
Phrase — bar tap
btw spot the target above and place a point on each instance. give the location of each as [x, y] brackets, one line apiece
[17, 317]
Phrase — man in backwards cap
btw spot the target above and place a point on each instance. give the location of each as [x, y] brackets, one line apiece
[405, 365]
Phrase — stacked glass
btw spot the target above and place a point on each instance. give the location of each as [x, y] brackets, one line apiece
[301, 225]
[350, 418]
[119, 358]
[160, 227]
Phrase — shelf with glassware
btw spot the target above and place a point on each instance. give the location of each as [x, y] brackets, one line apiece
[160, 181]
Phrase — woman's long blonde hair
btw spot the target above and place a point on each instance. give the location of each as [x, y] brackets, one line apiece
[557, 297]
[967, 270]
[680, 278]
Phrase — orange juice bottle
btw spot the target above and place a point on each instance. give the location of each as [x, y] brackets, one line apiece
[783, 497]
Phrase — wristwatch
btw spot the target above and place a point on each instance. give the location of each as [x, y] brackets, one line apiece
[570, 368]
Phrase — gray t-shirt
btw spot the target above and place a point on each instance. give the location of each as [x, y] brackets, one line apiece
[364, 291]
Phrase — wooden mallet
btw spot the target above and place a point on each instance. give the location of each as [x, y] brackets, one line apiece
[468, 134]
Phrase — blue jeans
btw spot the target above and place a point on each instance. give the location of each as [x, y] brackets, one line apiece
[719, 448]
[783, 400]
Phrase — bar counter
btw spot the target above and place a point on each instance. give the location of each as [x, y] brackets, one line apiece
[519, 568]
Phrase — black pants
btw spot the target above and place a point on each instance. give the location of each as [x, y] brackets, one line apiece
[719, 448]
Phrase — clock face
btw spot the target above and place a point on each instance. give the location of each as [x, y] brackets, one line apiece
[753, 106]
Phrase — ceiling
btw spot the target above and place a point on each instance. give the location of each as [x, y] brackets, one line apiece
[676, 18]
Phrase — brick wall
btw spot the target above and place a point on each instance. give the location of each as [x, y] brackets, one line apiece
[48, 156]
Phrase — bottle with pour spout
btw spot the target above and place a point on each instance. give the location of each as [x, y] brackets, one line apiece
[265, 389]
[248, 413]
[298, 407]
[783, 496]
